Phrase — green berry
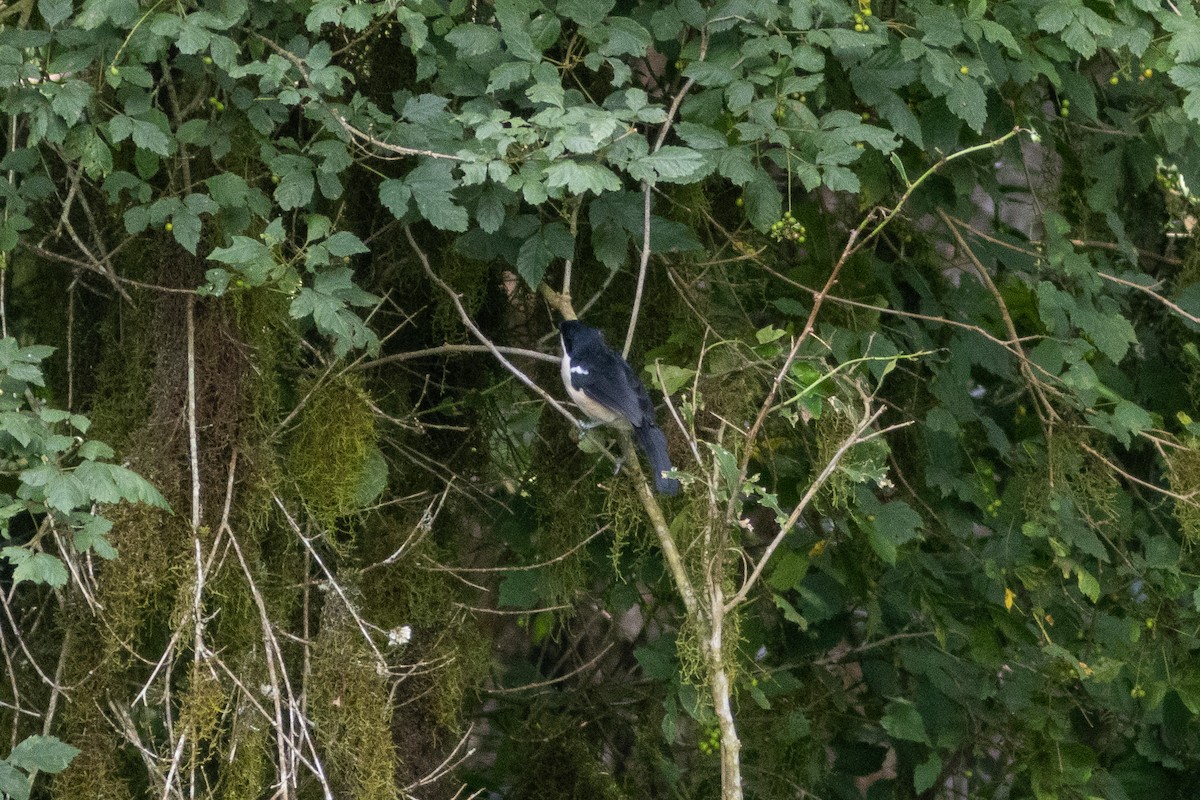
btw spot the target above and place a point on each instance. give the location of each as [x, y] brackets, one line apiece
[1147, 73]
[1114, 80]
[168, 227]
[964, 69]
[113, 70]
[207, 60]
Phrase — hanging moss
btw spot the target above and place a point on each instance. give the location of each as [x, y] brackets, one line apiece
[351, 709]
[96, 773]
[246, 773]
[330, 446]
[1183, 471]
[429, 602]
[203, 703]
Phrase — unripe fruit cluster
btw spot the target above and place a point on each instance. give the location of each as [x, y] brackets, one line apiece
[860, 19]
[788, 228]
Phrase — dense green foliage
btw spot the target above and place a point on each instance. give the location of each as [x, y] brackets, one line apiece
[270, 249]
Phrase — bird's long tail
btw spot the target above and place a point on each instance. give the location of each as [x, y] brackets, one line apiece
[654, 444]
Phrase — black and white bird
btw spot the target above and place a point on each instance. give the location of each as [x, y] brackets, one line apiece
[609, 391]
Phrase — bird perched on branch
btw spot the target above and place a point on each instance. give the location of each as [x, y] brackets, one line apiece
[609, 391]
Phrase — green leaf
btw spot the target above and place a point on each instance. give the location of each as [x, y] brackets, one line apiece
[587, 13]
[14, 784]
[519, 590]
[295, 189]
[580, 177]
[474, 40]
[185, 229]
[764, 202]
[968, 102]
[35, 568]
[70, 100]
[670, 164]
[66, 492]
[925, 774]
[431, 184]
[656, 661]
[42, 753]
[150, 137]
[536, 253]
[344, 243]
[508, 74]
[673, 378]
[54, 11]
[92, 535]
[790, 613]
[789, 570]
[1089, 587]
[625, 37]
[890, 526]
[395, 195]
[374, 479]
[902, 721]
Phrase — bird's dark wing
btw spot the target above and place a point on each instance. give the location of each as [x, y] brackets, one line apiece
[612, 383]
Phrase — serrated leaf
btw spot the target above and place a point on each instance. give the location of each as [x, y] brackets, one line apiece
[891, 525]
[295, 189]
[54, 11]
[474, 40]
[581, 177]
[763, 201]
[42, 753]
[395, 195]
[490, 210]
[431, 183]
[1089, 587]
[967, 101]
[508, 74]
[519, 589]
[902, 721]
[185, 229]
[672, 164]
[148, 136]
[925, 774]
[536, 253]
[344, 243]
[92, 535]
[586, 13]
[36, 568]
[625, 37]
[14, 784]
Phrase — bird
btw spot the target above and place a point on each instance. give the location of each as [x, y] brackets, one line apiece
[603, 384]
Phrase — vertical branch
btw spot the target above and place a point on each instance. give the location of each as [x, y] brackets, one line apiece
[647, 189]
[642, 268]
[193, 438]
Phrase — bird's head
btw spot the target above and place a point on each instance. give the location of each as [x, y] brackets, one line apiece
[575, 334]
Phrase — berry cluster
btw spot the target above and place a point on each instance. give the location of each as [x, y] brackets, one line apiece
[712, 743]
[860, 19]
[788, 228]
